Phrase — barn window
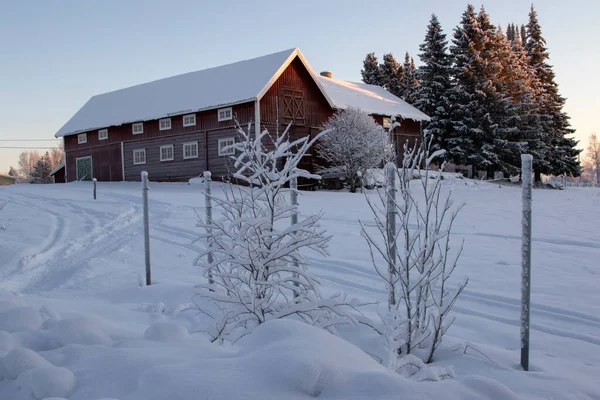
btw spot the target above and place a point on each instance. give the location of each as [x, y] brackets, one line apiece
[82, 138]
[166, 153]
[387, 122]
[189, 120]
[165, 124]
[137, 128]
[139, 156]
[190, 150]
[225, 114]
[103, 134]
[224, 143]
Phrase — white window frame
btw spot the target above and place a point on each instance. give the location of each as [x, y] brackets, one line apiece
[103, 134]
[141, 151]
[224, 110]
[160, 124]
[137, 124]
[193, 123]
[230, 152]
[82, 138]
[191, 144]
[168, 146]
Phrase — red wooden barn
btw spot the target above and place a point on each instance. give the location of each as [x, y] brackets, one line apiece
[175, 128]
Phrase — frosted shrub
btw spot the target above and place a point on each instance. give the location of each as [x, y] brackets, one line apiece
[257, 271]
[354, 144]
[415, 259]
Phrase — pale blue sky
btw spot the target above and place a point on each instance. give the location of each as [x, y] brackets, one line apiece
[55, 55]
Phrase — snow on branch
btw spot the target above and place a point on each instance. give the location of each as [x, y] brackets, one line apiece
[411, 251]
[258, 271]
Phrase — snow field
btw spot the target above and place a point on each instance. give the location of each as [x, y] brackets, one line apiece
[76, 263]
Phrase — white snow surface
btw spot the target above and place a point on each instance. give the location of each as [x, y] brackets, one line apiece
[74, 323]
[371, 98]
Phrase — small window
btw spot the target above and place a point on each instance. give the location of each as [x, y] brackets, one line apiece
[103, 134]
[165, 124]
[224, 143]
[166, 153]
[189, 120]
[82, 138]
[190, 150]
[225, 114]
[139, 156]
[387, 122]
[137, 128]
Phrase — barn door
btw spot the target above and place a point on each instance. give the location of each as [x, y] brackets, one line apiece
[84, 168]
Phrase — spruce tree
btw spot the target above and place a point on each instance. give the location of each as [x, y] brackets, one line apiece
[409, 85]
[435, 84]
[370, 72]
[562, 157]
[41, 171]
[462, 139]
[391, 74]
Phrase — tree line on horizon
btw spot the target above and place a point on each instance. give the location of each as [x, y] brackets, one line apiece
[491, 95]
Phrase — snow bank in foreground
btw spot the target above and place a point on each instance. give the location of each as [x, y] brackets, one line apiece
[77, 358]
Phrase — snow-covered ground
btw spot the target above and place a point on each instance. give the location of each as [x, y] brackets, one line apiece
[75, 323]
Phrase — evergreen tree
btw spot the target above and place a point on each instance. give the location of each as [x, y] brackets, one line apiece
[435, 84]
[391, 73]
[41, 171]
[370, 72]
[523, 36]
[409, 85]
[562, 157]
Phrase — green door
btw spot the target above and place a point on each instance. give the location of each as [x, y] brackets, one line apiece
[84, 168]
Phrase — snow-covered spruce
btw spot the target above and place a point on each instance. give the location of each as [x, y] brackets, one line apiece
[414, 262]
[353, 144]
[257, 269]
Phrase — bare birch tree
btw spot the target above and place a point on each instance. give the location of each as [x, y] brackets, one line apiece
[416, 260]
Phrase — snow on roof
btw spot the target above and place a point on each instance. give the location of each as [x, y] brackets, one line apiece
[229, 84]
[209, 88]
[370, 98]
[58, 168]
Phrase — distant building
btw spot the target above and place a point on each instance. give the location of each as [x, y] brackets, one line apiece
[6, 180]
[58, 174]
[175, 128]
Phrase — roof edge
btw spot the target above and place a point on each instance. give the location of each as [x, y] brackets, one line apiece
[168, 115]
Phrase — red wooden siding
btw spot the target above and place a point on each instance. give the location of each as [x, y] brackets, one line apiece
[298, 97]
[106, 154]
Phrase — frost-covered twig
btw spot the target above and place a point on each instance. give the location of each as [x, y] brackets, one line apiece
[414, 259]
[258, 270]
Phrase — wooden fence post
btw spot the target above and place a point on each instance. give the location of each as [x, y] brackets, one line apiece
[146, 226]
[95, 180]
[390, 224]
[208, 209]
[526, 170]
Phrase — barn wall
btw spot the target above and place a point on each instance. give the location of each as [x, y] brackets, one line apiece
[295, 79]
[106, 154]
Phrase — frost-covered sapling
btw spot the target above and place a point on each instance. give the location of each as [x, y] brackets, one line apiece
[354, 144]
[415, 260]
[258, 271]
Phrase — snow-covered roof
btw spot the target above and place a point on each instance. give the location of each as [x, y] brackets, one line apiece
[225, 85]
[58, 168]
[370, 98]
[195, 91]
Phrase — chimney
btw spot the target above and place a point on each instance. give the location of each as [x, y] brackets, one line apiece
[327, 74]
